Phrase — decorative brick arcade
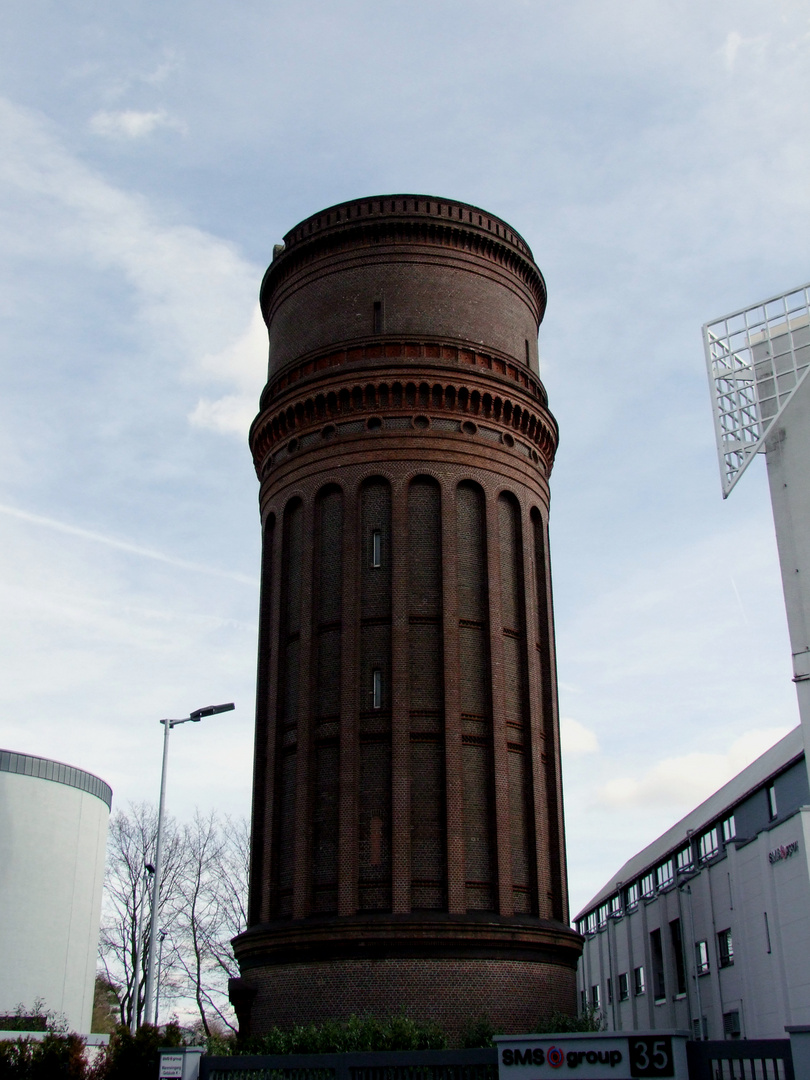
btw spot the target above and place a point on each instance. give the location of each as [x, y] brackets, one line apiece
[407, 846]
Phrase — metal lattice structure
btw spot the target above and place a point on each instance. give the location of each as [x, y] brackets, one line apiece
[756, 358]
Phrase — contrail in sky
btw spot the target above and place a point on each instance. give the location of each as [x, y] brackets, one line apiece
[123, 545]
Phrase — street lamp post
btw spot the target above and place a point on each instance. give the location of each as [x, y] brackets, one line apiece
[148, 872]
[194, 717]
[161, 938]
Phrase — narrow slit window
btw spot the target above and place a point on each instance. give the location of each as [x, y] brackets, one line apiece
[726, 948]
[375, 837]
[376, 548]
[378, 317]
[376, 688]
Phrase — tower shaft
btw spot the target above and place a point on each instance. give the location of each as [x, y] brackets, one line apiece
[407, 845]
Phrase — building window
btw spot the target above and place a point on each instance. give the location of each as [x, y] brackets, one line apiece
[376, 548]
[696, 1026]
[631, 896]
[603, 916]
[772, 808]
[624, 992]
[638, 981]
[610, 991]
[595, 996]
[657, 958]
[616, 905]
[731, 1025]
[376, 688]
[709, 845]
[729, 829]
[726, 948]
[665, 874]
[648, 886]
[702, 957]
[677, 951]
[583, 1000]
[377, 319]
[375, 841]
[685, 859]
[591, 924]
[767, 932]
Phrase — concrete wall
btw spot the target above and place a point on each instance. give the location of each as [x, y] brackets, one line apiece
[52, 850]
[787, 455]
[765, 904]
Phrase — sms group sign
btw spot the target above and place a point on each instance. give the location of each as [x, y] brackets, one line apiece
[593, 1056]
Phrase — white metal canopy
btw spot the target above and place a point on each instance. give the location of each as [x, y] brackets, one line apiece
[756, 358]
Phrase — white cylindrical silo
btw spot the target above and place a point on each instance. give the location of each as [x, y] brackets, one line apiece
[53, 835]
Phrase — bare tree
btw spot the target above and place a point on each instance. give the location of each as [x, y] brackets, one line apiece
[202, 906]
[233, 890]
[211, 899]
[126, 915]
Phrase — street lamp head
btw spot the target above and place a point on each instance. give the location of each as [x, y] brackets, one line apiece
[210, 710]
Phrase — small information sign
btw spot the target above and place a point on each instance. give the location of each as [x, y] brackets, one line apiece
[180, 1063]
[594, 1056]
[171, 1066]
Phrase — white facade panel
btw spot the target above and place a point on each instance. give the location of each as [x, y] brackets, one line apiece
[749, 897]
[787, 454]
[52, 855]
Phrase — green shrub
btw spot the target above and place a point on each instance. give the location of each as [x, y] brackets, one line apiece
[135, 1057]
[479, 1033]
[35, 1018]
[590, 1019]
[355, 1035]
[57, 1057]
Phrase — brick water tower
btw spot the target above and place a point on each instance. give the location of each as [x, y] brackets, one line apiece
[407, 845]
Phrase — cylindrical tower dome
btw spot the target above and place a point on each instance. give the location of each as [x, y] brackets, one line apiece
[407, 846]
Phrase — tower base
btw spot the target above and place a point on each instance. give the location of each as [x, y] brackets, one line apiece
[510, 971]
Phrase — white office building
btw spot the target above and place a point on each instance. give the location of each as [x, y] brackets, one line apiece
[708, 928]
[53, 835]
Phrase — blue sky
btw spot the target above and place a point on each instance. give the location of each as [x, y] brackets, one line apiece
[655, 156]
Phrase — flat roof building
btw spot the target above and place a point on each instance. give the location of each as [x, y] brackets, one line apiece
[708, 927]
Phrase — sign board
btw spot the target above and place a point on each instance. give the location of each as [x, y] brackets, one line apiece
[180, 1063]
[171, 1066]
[783, 852]
[594, 1056]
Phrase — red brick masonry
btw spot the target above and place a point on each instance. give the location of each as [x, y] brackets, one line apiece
[407, 844]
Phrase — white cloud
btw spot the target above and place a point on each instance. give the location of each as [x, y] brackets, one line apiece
[161, 73]
[132, 124]
[122, 545]
[193, 292]
[245, 363]
[230, 415]
[730, 48]
[577, 739]
[735, 42]
[688, 779]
